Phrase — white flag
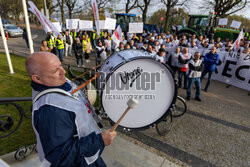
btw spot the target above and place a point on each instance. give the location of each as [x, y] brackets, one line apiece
[236, 44]
[96, 16]
[117, 35]
[46, 24]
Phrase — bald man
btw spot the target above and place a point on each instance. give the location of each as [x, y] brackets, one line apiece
[67, 135]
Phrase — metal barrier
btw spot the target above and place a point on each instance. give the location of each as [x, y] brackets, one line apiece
[7, 123]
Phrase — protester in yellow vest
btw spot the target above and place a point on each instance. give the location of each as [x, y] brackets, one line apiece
[51, 42]
[60, 47]
[87, 47]
[93, 38]
[73, 34]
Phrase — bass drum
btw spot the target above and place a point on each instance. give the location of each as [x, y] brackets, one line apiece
[136, 74]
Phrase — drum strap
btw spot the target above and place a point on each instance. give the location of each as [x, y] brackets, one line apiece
[56, 90]
[53, 90]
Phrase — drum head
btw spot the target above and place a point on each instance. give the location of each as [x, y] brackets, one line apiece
[144, 79]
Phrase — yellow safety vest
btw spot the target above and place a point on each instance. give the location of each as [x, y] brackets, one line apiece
[60, 44]
[85, 44]
[51, 42]
[101, 34]
[73, 35]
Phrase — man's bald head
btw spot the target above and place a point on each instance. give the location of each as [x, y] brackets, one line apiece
[36, 61]
[45, 68]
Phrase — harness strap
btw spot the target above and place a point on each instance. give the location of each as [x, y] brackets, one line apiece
[53, 90]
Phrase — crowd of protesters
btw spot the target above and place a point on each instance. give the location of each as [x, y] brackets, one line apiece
[182, 62]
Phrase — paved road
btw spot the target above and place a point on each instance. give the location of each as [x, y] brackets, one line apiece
[214, 132]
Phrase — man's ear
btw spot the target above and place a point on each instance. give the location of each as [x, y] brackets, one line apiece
[36, 78]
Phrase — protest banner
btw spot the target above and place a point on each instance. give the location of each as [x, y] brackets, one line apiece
[223, 21]
[96, 16]
[110, 24]
[57, 26]
[233, 67]
[72, 24]
[107, 15]
[102, 24]
[135, 27]
[235, 24]
[86, 25]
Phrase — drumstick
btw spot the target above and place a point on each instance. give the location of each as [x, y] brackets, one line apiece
[132, 103]
[86, 83]
[85, 72]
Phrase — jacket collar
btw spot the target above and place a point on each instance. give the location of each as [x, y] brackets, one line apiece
[38, 87]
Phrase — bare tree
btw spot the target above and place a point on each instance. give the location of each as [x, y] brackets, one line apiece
[170, 4]
[225, 7]
[131, 4]
[60, 4]
[144, 8]
[71, 4]
[4, 8]
[50, 5]
[16, 9]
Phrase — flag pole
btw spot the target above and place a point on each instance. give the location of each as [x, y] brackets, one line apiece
[6, 47]
[27, 26]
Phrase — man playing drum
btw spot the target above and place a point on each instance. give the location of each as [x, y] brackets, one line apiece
[66, 132]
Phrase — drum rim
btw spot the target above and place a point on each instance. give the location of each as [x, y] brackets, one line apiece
[167, 112]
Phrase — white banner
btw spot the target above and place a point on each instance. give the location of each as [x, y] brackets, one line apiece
[235, 24]
[233, 67]
[135, 27]
[96, 16]
[223, 21]
[45, 22]
[110, 24]
[72, 24]
[102, 24]
[86, 25]
[58, 26]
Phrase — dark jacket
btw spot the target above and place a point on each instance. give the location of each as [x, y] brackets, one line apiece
[57, 129]
[210, 61]
[78, 49]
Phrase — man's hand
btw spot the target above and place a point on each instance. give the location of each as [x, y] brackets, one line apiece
[108, 136]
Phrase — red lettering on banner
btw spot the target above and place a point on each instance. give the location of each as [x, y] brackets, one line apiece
[94, 10]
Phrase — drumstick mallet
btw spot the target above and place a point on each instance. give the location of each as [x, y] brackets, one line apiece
[86, 83]
[132, 103]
